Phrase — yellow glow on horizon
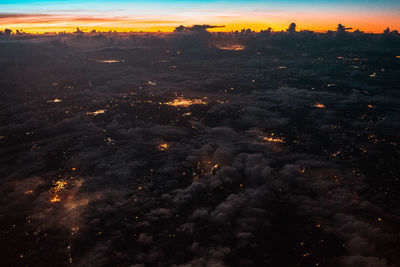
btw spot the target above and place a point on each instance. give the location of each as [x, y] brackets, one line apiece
[316, 22]
[42, 29]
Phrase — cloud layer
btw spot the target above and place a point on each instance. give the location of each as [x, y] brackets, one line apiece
[149, 151]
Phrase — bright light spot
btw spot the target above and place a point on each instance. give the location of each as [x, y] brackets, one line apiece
[108, 61]
[231, 47]
[97, 112]
[56, 100]
[163, 147]
[319, 105]
[74, 229]
[55, 199]
[214, 168]
[55, 190]
[184, 102]
[274, 139]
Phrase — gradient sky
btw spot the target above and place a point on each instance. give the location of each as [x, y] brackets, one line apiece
[124, 15]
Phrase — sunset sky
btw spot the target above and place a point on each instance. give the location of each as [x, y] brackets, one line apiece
[164, 15]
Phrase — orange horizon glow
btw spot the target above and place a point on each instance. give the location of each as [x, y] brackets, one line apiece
[37, 23]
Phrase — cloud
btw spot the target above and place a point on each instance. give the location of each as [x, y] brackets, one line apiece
[257, 175]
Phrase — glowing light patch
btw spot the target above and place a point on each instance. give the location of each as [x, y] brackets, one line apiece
[58, 186]
[214, 168]
[56, 100]
[97, 112]
[184, 102]
[274, 139]
[163, 147]
[74, 229]
[319, 105]
[231, 47]
[108, 61]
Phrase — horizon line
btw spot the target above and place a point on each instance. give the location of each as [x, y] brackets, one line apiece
[88, 30]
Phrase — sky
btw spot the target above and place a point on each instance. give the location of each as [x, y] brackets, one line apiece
[164, 15]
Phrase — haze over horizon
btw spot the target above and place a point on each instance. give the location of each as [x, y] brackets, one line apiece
[39, 16]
